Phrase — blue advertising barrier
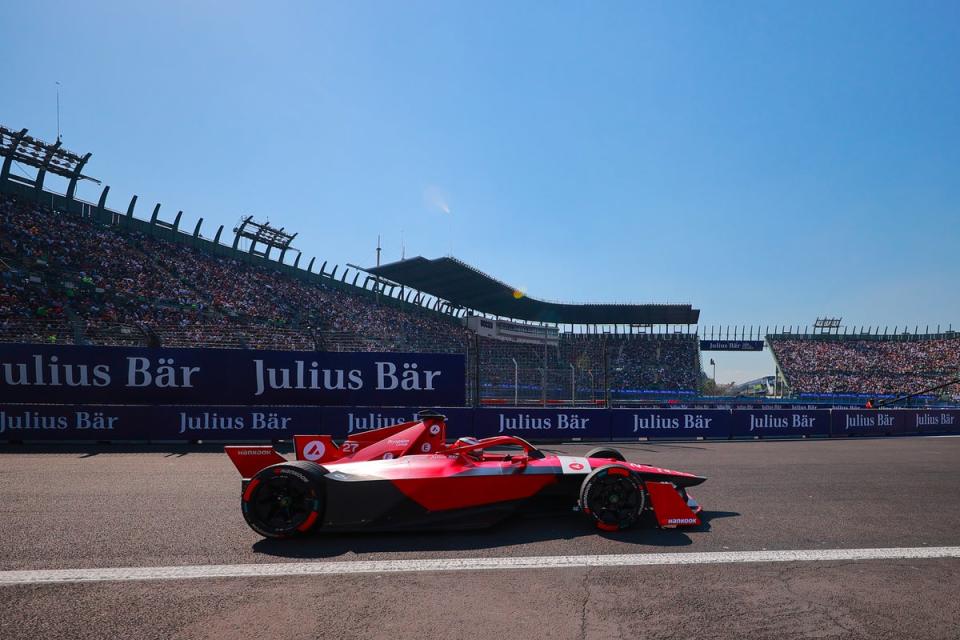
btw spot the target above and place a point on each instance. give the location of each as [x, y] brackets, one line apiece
[543, 424]
[41, 422]
[869, 422]
[128, 375]
[894, 422]
[779, 422]
[631, 424]
[936, 420]
[341, 422]
[127, 422]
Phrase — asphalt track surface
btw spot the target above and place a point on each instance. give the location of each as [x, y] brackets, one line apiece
[100, 507]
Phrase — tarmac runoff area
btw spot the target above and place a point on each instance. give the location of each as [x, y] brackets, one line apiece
[846, 538]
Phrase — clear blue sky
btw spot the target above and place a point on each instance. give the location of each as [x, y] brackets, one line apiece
[767, 162]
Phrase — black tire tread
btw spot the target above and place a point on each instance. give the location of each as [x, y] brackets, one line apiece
[588, 510]
[304, 468]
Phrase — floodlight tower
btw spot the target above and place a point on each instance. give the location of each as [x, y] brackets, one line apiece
[17, 146]
[263, 233]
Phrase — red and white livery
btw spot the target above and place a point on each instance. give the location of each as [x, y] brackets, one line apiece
[406, 477]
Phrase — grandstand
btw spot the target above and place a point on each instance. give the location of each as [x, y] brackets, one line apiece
[866, 364]
[77, 273]
[68, 279]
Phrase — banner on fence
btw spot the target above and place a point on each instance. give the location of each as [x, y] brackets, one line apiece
[341, 422]
[131, 422]
[936, 420]
[127, 375]
[43, 422]
[631, 424]
[780, 422]
[36, 422]
[731, 345]
[869, 422]
[536, 424]
[894, 421]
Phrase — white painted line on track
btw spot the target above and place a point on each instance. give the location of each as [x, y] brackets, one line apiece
[126, 574]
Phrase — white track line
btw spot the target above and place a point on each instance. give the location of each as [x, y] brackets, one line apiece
[9, 578]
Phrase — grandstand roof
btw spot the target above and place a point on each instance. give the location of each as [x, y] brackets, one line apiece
[467, 287]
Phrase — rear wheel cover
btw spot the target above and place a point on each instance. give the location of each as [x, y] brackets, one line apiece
[613, 497]
[283, 500]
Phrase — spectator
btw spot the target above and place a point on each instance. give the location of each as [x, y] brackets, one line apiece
[896, 365]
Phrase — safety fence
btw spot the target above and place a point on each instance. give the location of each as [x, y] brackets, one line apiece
[49, 423]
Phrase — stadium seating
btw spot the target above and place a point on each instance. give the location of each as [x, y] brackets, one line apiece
[67, 269]
[68, 280]
[877, 365]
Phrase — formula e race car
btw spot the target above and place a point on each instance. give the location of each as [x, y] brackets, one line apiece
[405, 477]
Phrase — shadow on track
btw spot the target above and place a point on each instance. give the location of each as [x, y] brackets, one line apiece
[516, 531]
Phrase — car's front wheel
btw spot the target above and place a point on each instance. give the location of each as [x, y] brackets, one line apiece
[613, 497]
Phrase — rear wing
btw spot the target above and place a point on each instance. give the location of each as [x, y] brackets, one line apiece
[425, 435]
[250, 459]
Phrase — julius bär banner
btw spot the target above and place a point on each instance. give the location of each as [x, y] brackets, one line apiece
[122, 375]
[543, 424]
[894, 422]
[780, 422]
[731, 345]
[132, 422]
[38, 422]
[629, 424]
[59, 422]
[347, 421]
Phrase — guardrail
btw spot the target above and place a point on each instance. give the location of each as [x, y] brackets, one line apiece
[66, 423]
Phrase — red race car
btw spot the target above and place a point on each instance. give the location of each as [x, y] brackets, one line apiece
[405, 477]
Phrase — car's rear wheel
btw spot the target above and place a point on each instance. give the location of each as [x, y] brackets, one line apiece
[606, 452]
[613, 497]
[284, 500]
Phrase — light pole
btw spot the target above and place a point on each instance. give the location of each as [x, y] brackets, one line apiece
[58, 111]
[516, 383]
[543, 384]
[377, 282]
[573, 385]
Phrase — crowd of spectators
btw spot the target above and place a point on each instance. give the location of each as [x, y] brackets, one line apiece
[59, 266]
[39, 330]
[67, 279]
[635, 364]
[670, 362]
[896, 365]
